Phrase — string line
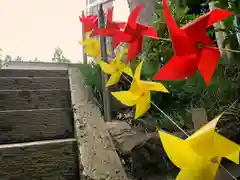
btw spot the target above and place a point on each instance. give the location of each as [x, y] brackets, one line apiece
[227, 171]
[224, 49]
[174, 123]
[169, 118]
[211, 46]
[159, 109]
[182, 130]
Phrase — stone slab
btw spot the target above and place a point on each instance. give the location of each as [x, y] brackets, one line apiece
[32, 73]
[33, 83]
[26, 126]
[37, 99]
[47, 160]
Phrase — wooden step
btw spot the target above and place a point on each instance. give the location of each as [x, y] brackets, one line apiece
[32, 125]
[32, 73]
[42, 160]
[35, 99]
[22, 83]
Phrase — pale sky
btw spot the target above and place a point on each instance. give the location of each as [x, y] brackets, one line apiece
[33, 28]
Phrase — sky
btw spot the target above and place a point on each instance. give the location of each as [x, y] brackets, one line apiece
[34, 28]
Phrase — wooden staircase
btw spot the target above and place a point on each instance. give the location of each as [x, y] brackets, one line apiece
[36, 126]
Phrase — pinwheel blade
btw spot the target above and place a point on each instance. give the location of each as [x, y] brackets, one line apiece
[178, 68]
[143, 105]
[135, 48]
[126, 97]
[114, 79]
[208, 61]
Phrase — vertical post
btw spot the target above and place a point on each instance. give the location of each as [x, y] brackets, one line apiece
[106, 94]
[112, 49]
[220, 36]
[234, 4]
[83, 38]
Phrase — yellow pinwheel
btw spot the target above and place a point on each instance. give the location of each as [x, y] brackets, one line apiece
[91, 47]
[139, 93]
[115, 68]
[200, 154]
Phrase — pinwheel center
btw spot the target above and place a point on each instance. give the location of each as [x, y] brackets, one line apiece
[117, 69]
[214, 160]
[199, 45]
[135, 35]
[143, 94]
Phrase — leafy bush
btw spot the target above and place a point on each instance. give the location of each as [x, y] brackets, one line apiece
[92, 77]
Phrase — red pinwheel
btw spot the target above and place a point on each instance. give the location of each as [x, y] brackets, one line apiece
[111, 26]
[193, 48]
[90, 22]
[133, 34]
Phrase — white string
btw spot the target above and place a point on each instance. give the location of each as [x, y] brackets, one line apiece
[162, 112]
[165, 39]
[227, 171]
[168, 117]
[222, 49]
[159, 109]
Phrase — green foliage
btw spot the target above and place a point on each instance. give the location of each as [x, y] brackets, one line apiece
[35, 59]
[92, 77]
[4, 60]
[59, 57]
[18, 58]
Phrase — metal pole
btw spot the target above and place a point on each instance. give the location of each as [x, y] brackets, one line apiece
[111, 49]
[106, 94]
[99, 2]
[83, 38]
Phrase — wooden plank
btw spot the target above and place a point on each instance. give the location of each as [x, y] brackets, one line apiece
[17, 100]
[99, 159]
[33, 73]
[47, 160]
[25, 126]
[33, 83]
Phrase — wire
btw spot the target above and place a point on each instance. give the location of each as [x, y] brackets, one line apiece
[159, 109]
[168, 117]
[165, 39]
[102, 2]
[227, 171]
[221, 49]
[224, 49]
